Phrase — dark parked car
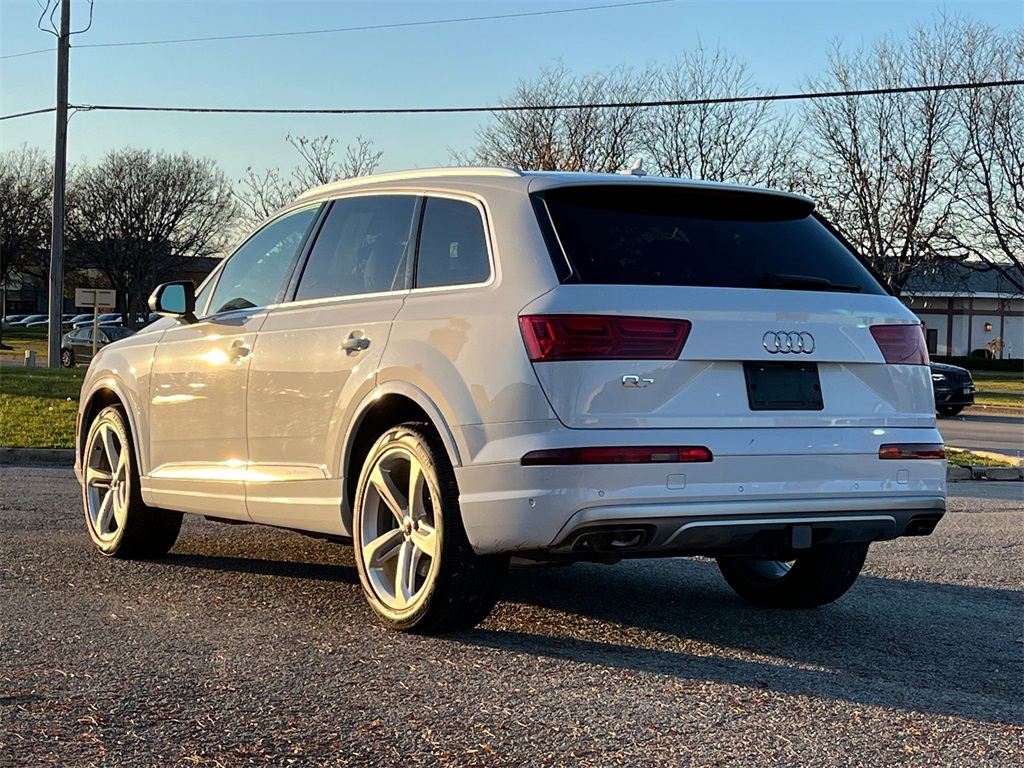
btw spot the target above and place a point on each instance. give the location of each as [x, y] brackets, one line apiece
[76, 346]
[954, 388]
[28, 319]
[12, 319]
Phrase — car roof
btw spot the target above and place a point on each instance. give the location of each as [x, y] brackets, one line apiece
[475, 178]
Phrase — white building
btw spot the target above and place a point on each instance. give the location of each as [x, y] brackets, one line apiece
[963, 309]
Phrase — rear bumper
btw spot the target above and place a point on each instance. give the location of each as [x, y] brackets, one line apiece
[734, 503]
[742, 528]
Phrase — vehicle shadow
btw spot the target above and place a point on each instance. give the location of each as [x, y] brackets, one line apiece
[314, 571]
[950, 650]
[916, 646]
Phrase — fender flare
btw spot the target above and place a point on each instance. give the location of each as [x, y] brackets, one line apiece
[115, 385]
[421, 399]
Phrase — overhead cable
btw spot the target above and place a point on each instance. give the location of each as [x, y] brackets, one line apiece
[364, 28]
[541, 107]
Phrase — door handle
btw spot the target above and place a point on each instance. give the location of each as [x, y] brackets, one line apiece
[239, 349]
[356, 342]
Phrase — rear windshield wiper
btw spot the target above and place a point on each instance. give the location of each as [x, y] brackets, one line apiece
[803, 283]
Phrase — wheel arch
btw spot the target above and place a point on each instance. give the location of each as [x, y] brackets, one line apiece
[386, 407]
[108, 393]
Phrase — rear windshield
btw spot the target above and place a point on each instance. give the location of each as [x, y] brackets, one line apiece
[648, 235]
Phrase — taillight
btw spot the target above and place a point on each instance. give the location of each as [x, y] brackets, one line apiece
[901, 344]
[606, 337]
[618, 455]
[912, 451]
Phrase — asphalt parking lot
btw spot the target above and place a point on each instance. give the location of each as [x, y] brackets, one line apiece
[254, 647]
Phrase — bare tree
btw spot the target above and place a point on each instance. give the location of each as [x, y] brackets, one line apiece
[263, 193]
[25, 183]
[138, 216]
[989, 211]
[748, 143]
[887, 166]
[569, 137]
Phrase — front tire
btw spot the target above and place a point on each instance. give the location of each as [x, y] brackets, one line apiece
[67, 358]
[815, 578]
[415, 563]
[949, 410]
[120, 523]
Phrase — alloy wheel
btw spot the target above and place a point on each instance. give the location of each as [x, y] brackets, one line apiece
[398, 532]
[107, 479]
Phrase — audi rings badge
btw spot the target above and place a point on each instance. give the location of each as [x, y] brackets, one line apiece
[788, 342]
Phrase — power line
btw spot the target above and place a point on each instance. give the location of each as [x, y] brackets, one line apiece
[366, 28]
[26, 114]
[542, 107]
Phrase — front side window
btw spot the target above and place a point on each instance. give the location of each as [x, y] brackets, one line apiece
[361, 248]
[453, 247]
[254, 274]
[203, 297]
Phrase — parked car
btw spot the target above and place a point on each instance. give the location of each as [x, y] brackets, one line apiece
[65, 320]
[105, 318]
[28, 320]
[953, 387]
[76, 345]
[450, 367]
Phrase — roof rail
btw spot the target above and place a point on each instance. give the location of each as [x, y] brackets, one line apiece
[418, 173]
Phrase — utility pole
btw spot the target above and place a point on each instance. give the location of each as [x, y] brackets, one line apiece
[60, 164]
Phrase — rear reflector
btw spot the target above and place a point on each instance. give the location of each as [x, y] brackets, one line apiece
[912, 451]
[618, 455]
[602, 337]
[901, 344]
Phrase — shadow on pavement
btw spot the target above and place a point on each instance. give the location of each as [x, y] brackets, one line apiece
[950, 650]
[297, 570]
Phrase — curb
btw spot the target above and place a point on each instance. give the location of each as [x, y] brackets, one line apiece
[54, 456]
[988, 410]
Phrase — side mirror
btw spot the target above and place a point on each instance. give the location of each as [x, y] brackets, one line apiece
[177, 300]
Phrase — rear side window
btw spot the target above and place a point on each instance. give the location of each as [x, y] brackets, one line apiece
[113, 334]
[453, 247]
[637, 235]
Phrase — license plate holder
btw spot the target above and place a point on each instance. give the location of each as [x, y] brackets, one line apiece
[783, 386]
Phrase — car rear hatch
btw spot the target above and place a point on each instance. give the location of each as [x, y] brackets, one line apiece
[688, 306]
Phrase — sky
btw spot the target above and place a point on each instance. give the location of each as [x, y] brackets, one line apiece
[441, 65]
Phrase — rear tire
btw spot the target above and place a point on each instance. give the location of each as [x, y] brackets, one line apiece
[120, 523]
[67, 358]
[812, 579]
[949, 410]
[415, 563]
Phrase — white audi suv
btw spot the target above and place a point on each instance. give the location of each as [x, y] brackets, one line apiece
[448, 368]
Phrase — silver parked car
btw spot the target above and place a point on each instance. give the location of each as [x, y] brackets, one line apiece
[446, 368]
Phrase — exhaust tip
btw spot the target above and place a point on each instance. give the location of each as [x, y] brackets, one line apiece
[608, 539]
[921, 526]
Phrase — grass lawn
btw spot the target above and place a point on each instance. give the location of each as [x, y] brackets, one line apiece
[38, 406]
[967, 459]
[1005, 390]
[21, 339]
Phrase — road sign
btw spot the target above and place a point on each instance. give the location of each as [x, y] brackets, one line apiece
[95, 297]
